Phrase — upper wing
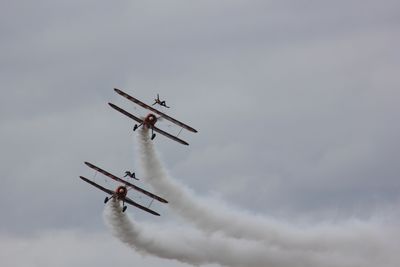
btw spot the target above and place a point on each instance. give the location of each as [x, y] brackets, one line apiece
[140, 103]
[126, 113]
[147, 193]
[97, 185]
[133, 203]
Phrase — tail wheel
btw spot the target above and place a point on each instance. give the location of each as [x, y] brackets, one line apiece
[135, 127]
[106, 200]
[124, 208]
[153, 136]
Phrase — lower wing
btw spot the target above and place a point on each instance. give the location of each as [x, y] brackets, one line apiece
[108, 191]
[158, 130]
[133, 203]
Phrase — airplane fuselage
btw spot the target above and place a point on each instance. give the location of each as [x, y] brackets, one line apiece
[120, 192]
[150, 120]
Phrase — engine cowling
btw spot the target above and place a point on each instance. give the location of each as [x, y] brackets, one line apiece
[121, 192]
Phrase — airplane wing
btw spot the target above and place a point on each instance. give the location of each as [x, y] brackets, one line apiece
[108, 191]
[158, 130]
[133, 203]
[127, 200]
[126, 113]
[165, 116]
[147, 193]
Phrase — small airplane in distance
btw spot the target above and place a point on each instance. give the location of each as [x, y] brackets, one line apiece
[122, 190]
[158, 101]
[150, 120]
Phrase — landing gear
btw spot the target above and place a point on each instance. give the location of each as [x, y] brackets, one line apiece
[106, 200]
[137, 126]
[124, 208]
[153, 135]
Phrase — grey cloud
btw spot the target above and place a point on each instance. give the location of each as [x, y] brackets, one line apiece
[296, 103]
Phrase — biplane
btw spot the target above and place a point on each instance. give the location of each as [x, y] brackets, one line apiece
[160, 102]
[150, 120]
[121, 191]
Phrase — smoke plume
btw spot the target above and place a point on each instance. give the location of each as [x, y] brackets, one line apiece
[195, 248]
[352, 239]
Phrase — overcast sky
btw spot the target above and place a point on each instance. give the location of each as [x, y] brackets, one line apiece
[296, 104]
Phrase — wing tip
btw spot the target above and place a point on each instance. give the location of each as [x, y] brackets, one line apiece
[120, 92]
[115, 107]
[88, 164]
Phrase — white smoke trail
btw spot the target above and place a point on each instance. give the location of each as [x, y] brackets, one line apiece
[349, 238]
[194, 248]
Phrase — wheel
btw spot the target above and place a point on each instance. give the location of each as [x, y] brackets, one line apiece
[106, 200]
[153, 136]
[135, 127]
[124, 208]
